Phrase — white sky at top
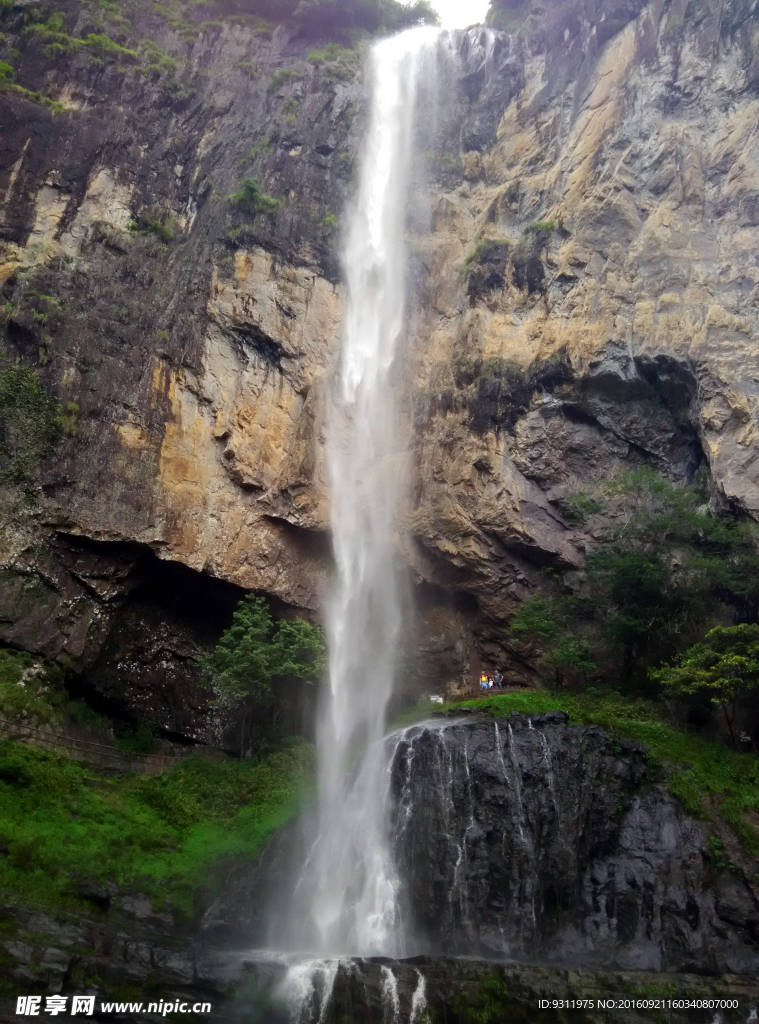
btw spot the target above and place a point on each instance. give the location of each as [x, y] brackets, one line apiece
[460, 13]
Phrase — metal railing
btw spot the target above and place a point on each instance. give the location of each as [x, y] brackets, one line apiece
[89, 750]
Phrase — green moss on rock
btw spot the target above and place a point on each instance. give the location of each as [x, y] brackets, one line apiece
[29, 422]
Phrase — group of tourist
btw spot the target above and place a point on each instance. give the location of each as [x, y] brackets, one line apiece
[488, 682]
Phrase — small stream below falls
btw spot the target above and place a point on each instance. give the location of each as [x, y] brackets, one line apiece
[459, 990]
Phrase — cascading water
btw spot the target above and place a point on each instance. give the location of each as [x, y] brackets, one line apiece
[350, 894]
[346, 902]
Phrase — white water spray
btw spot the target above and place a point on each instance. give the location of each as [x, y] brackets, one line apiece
[353, 890]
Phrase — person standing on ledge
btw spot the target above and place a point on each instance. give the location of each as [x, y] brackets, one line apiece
[498, 679]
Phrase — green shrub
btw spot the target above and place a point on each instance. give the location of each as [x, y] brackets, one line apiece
[158, 226]
[80, 713]
[104, 45]
[156, 61]
[507, 16]
[139, 740]
[282, 77]
[262, 146]
[37, 97]
[290, 110]
[578, 507]
[483, 249]
[489, 254]
[6, 72]
[332, 51]
[52, 33]
[251, 197]
[339, 64]
[69, 419]
[154, 223]
[541, 226]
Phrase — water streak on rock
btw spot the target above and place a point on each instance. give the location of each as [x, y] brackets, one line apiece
[418, 999]
[390, 999]
[307, 990]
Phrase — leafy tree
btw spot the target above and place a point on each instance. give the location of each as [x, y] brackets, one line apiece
[579, 507]
[299, 650]
[241, 665]
[671, 570]
[536, 625]
[397, 16]
[725, 667]
[570, 657]
[327, 17]
[255, 652]
[633, 590]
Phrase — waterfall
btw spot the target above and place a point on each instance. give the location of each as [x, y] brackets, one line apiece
[351, 904]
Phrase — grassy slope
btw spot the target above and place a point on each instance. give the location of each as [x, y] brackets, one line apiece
[63, 822]
[708, 774]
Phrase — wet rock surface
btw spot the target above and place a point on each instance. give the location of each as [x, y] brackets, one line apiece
[540, 854]
[449, 990]
[525, 837]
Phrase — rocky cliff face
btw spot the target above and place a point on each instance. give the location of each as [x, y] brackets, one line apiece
[619, 335]
[523, 838]
[538, 360]
[252, 988]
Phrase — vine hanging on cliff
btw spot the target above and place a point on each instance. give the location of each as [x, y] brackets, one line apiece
[30, 423]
